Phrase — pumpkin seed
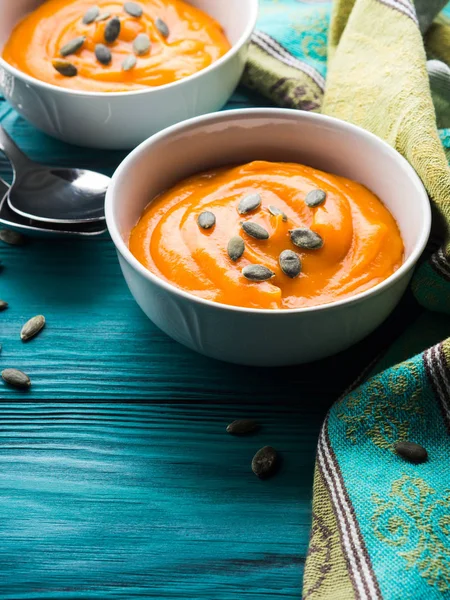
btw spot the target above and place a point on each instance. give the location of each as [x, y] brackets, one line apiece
[236, 247]
[242, 427]
[129, 63]
[255, 231]
[72, 46]
[112, 30]
[91, 14]
[64, 67]
[265, 462]
[103, 54]
[103, 17]
[411, 452]
[275, 211]
[315, 198]
[290, 263]
[16, 378]
[257, 273]
[32, 328]
[206, 219]
[305, 238]
[142, 44]
[3, 305]
[133, 8]
[162, 27]
[11, 237]
[249, 203]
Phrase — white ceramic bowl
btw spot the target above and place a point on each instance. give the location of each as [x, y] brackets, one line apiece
[251, 336]
[125, 119]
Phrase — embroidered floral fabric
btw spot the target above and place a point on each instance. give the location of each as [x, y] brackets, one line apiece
[381, 526]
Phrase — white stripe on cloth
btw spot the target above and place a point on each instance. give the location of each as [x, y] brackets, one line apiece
[402, 6]
[273, 48]
[360, 568]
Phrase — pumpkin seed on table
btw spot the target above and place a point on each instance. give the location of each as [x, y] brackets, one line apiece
[72, 46]
[235, 248]
[255, 231]
[290, 263]
[16, 378]
[32, 328]
[305, 238]
[129, 63]
[112, 30]
[162, 27]
[206, 219]
[64, 67]
[315, 198]
[133, 9]
[275, 211]
[91, 15]
[103, 17]
[3, 305]
[249, 203]
[142, 44]
[411, 452]
[103, 54]
[242, 427]
[265, 462]
[257, 273]
[11, 237]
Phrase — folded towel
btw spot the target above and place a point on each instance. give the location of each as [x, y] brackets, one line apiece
[381, 525]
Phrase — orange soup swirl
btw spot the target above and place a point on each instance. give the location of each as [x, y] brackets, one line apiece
[340, 238]
[178, 40]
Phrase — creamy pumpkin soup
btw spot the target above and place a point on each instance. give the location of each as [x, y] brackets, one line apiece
[269, 235]
[114, 46]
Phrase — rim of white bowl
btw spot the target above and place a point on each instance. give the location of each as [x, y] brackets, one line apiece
[245, 37]
[122, 247]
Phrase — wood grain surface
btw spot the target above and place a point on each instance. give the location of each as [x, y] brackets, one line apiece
[131, 488]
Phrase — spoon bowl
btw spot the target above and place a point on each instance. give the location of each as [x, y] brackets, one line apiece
[12, 220]
[52, 194]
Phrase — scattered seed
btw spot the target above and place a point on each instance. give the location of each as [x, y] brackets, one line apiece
[103, 17]
[64, 67]
[129, 63]
[112, 30]
[103, 54]
[3, 305]
[236, 247]
[265, 462]
[11, 237]
[206, 219]
[255, 231]
[249, 203]
[275, 211]
[133, 8]
[91, 14]
[242, 427]
[32, 328]
[72, 46]
[290, 263]
[142, 44]
[257, 273]
[411, 452]
[16, 378]
[305, 238]
[162, 27]
[315, 198]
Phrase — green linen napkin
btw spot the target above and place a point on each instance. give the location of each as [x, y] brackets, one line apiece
[381, 525]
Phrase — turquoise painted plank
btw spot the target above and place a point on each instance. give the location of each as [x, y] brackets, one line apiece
[152, 501]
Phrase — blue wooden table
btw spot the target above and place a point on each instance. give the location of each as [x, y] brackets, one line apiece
[117, 479]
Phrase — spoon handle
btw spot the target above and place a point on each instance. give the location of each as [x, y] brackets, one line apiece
[12, 151]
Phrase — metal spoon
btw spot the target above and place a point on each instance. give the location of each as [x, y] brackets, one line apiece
[12, 220]
[51, 194]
